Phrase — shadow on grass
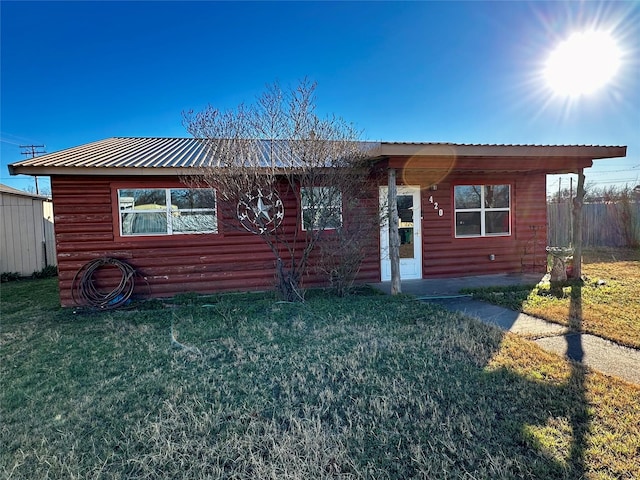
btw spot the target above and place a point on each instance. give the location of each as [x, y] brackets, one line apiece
[368, 387]
[580, 417]
[574, 389]
[413, 396]
[536, 409]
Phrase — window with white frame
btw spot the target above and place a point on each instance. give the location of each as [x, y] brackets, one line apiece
[167, 211]
[321, 208]
[482, 210]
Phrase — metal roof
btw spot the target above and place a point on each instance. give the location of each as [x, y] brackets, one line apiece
[162, 153]
[121, 152]
[152, 155]
[21, 193]
[500, 150]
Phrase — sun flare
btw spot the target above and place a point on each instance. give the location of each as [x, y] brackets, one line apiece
[583, 63]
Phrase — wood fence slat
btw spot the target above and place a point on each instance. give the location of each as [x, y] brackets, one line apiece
[604, 224]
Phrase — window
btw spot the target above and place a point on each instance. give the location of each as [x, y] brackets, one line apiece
[482, 210]
[167, 211]
[321, 208]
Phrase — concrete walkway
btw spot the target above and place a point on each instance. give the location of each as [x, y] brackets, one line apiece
[596, 353]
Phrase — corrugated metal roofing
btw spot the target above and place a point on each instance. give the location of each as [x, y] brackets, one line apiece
[185, 153]
[133, 152]
[119, 152]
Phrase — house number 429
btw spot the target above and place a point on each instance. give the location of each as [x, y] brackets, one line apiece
[435, 206]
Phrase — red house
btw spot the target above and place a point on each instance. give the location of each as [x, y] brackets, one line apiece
[464, 210]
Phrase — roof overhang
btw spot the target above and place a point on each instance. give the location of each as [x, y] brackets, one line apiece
[550, 159]
[389, 149]
[17, 169]
[550, 165]
[181, 156]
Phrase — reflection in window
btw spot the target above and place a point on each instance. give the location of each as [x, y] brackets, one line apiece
[167, 211]
[496, 196]
[468, 196]
[405, 227]
[482, 210]
[321, 208]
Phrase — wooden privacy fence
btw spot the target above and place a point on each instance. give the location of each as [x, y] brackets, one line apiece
[603, 224]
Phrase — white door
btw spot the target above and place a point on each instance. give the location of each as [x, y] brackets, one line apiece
[410, 235]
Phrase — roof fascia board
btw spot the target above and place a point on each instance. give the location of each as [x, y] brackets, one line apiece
[439, 150]
[98, 171]
[114, 171]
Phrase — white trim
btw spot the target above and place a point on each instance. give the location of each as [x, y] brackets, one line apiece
[167, 210]
[482, 210]
[410, 268]
[320, 207]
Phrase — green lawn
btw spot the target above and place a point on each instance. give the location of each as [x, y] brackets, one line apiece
[606, 305]
[367, 386]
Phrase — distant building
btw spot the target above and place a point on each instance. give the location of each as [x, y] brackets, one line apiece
[27, 242]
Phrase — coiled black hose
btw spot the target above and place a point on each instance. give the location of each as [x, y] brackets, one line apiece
[85, 293]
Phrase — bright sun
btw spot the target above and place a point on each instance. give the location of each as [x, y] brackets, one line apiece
[583, 63]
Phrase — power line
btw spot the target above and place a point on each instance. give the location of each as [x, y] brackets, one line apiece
[33, 151]
[11, 139]
[613, 182]
[629, 170]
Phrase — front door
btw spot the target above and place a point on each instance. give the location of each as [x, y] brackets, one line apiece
[409, 230]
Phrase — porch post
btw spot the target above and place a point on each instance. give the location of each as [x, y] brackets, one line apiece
[577, 226]
[394, 236]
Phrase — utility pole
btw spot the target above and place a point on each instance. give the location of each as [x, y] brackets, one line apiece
[559, 188]
[33, 151]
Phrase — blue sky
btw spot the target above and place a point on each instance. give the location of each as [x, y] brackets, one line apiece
[466, 72]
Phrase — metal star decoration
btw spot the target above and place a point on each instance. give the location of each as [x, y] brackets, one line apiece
[260, 213]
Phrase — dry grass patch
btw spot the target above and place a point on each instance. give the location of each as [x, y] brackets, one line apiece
[607, 416]
[606, 305]
[357, 388]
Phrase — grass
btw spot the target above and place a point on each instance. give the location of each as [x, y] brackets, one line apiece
[609, 300]
[367, 386]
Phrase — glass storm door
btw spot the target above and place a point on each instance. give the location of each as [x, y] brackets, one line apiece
[409, 231]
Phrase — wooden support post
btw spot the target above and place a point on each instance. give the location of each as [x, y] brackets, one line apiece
[394, 235]
[577, 226]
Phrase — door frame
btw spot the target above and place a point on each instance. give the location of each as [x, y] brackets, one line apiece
[410, 269]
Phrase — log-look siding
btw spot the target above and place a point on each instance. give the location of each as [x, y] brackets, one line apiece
[524, 250]
[87, 227]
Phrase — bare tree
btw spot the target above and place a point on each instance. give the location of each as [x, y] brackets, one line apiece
[340, 254]
[279, 147]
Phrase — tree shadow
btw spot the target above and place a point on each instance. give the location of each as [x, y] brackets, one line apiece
[539, 399]
[579, 418]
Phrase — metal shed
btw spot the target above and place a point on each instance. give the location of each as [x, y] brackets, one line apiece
[27, 241]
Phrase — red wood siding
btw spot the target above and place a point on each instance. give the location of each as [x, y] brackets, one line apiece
[444, 255]
[86, 217]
